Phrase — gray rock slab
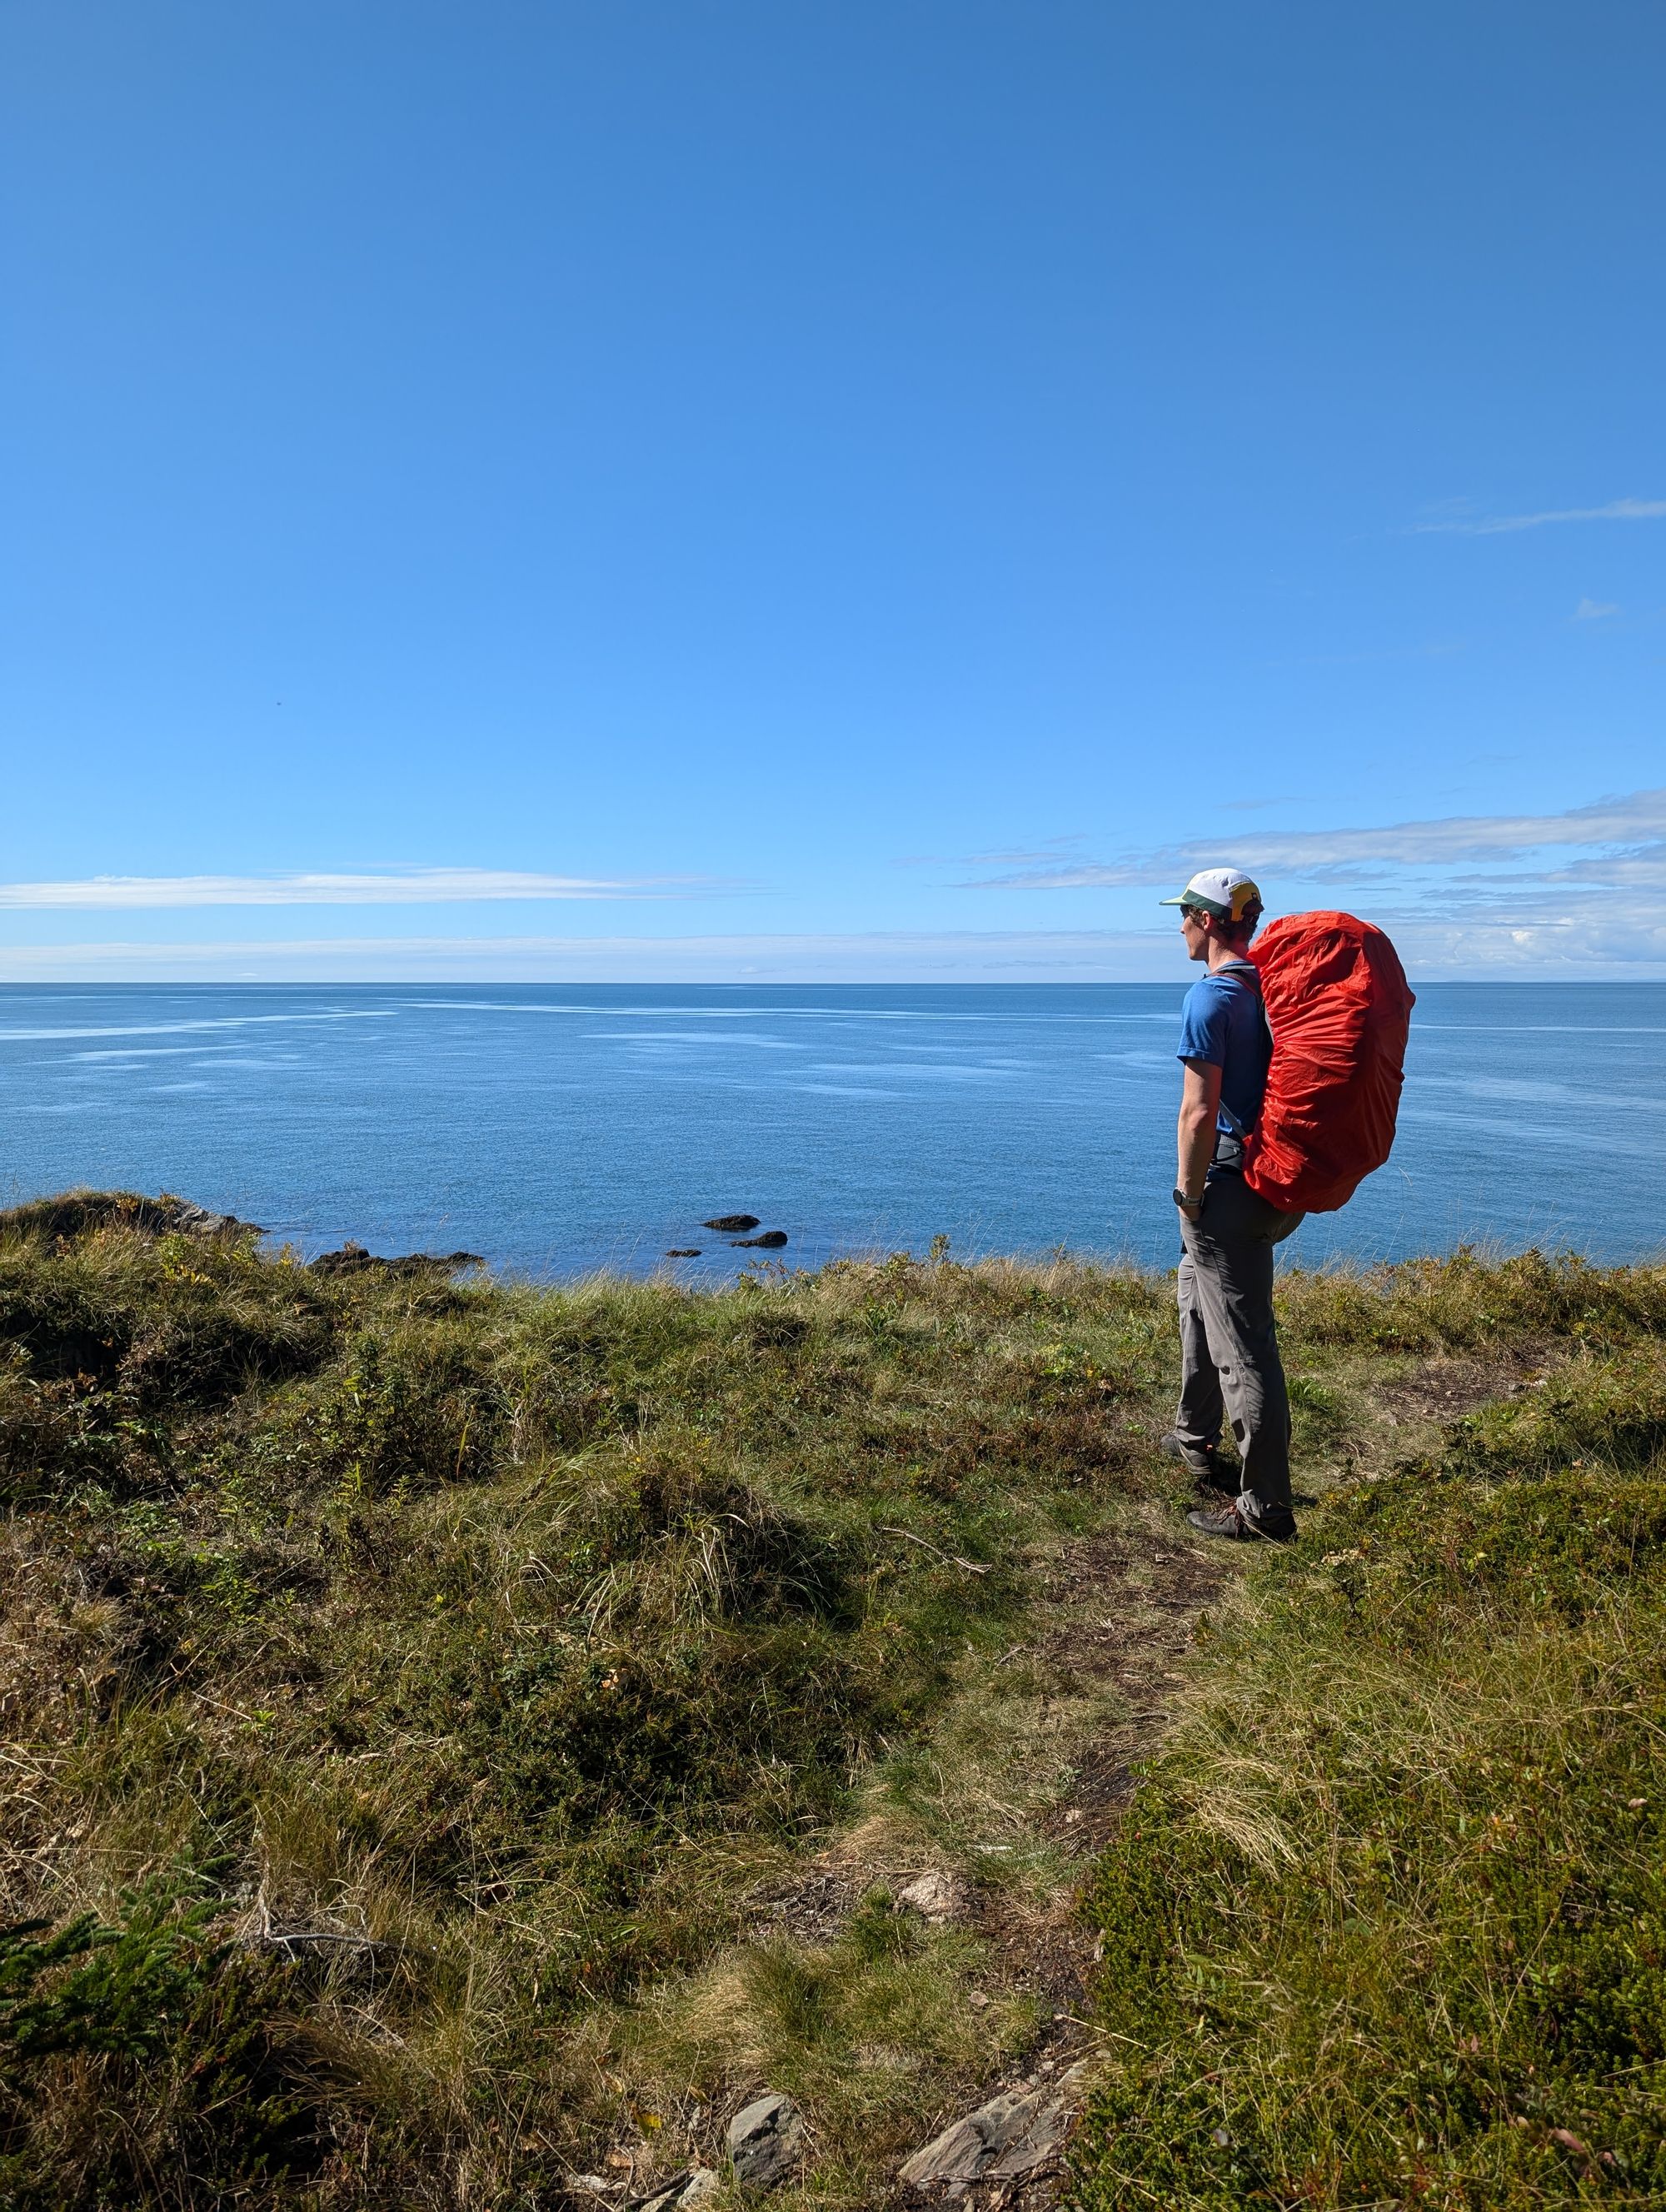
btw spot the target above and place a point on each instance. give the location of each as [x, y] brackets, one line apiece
[1042, 2140]
[765, 2142]
[1009, 2137]
[969, 2147]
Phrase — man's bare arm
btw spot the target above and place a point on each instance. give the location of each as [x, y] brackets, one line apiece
[1200, 1102]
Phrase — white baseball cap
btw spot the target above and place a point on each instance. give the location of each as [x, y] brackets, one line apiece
[1226, 893]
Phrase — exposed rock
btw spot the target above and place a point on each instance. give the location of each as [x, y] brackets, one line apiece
[766, 2141]
[731, 1225]
[79, 1211]
[771, 1241]
[937, 1898]
[966, 2150]
[1006, 2140]
[197, 1221]
[353, 1260]
[683, 1252]
[695, 2184]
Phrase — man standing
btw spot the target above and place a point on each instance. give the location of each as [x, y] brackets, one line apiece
[1229, 1344]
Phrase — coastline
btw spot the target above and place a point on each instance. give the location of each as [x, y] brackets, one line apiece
[564, 1130]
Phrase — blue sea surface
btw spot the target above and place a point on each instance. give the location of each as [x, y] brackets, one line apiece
[557, 1129]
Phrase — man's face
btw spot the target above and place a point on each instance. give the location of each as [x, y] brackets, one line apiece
[1194, 929]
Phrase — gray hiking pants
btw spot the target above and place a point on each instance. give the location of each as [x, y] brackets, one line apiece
[1229, 1347]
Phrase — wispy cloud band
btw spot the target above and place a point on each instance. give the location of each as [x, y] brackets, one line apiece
[900, 955]
[1574, 945]
[1636, 820]
[381, 887]
[1497, 526]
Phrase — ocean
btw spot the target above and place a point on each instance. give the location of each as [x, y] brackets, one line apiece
[558, 1129]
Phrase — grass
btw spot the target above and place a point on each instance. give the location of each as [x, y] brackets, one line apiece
[436, 1670]
[1386, 1925]
[434, 1709]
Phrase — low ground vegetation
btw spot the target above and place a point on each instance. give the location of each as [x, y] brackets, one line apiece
[460, 1739]
[1386, 1922]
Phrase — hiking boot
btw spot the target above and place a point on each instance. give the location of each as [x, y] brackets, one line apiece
[1204, 1463]
[1241, 1527]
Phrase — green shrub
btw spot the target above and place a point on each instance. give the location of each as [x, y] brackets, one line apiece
[138, 2049]
[89, 1986]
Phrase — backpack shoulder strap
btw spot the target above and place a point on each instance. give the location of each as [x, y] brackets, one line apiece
[1246, 972]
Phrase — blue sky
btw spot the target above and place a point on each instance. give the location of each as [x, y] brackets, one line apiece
[658, 489]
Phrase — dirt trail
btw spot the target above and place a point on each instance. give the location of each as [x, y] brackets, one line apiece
[1039, 1755]
[1114, 1615]
[1120, 1609]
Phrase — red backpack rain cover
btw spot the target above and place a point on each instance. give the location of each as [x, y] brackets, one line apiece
[1339, 1007]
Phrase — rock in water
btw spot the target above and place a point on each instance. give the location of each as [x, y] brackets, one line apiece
[683, 1252]
[732, 1224]
[937, 1898]
[766, 2142]
[771, 1241]
[351, 1260]
[354, 1259]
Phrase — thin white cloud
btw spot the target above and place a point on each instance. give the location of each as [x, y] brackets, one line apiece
[1622, 819]
[897, 956]
[1630, 820]
[1583, 940]
[1495, 525]
[1643, 868]
[1594, 609]
[383, 887]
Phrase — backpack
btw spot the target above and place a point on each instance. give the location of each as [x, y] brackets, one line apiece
[1339, 1007]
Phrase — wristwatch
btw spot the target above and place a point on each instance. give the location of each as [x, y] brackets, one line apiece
[1188, 1204]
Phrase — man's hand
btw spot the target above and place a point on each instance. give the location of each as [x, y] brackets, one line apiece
[1200, 1102]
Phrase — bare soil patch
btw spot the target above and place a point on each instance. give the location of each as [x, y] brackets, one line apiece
[1445, 1387]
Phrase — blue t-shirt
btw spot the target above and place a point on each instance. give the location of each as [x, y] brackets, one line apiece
[1221, 1021]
